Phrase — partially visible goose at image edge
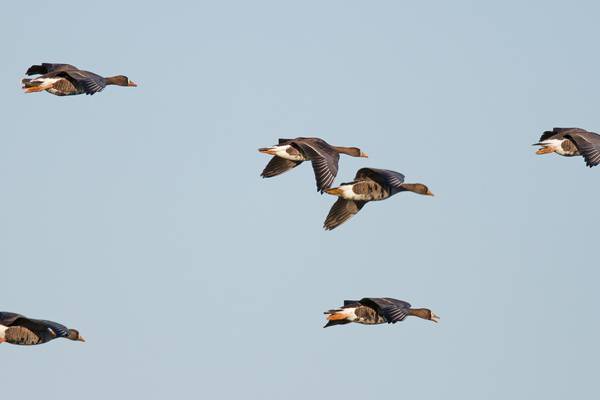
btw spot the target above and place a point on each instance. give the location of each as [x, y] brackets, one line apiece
[571, 142]
[370, 184]
[67, 80]
[20, 330]
[290, 153]
[376, 310]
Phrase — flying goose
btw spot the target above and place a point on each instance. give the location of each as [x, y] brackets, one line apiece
[571, 142]
[18, 329]
[67, 80]
[370, 184]
[290, 153]
[375, 310]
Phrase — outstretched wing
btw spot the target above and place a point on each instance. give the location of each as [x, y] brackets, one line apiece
[278, 166]
[13, 319]
[341, 211]
[9, 318]
[384, 177]
[558, 133]
[588, 144]
[90, 83]
[57, 329]
[324, 160]
[393, 310]
[46, 68]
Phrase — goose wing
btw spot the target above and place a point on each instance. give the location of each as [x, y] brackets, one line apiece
[57, 329]
[9, 318]
[557, 133]
[341, 211]
[324, 160]
[384, 177]
[392, 310]
[90, 83]
[13, 319]
[278, 166]
[46, 68]
[588, 144]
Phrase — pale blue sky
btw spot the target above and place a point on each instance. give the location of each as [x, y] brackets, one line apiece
[138, 215]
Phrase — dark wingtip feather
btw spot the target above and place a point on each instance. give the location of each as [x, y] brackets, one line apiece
[36, 70]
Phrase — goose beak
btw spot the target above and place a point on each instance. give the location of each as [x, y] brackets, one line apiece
[429, 193]
[80, 339]
[334, 191]
[545, 150]
[364, 155]
[435, 318]
[267, 150]
[132, 84]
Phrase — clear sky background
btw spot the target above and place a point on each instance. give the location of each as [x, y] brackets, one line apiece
[138, 215]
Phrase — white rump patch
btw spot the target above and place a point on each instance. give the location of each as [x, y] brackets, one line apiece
[348, 194]
[280, 151]
[46, 81]
[349, 313]
[556, 145]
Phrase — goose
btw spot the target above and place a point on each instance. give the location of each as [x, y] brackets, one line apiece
[289, 153]
[376, 310]
[571, 142]
[67, 80]
[20, 330]
[370, 184]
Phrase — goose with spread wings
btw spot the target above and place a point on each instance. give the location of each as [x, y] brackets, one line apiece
[376, 310]
[571, 142]
[289, 153]
[370, 184]
[20, 330]
[68, 80]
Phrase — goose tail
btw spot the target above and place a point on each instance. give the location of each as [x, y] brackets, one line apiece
[337, 317]
[36, 85]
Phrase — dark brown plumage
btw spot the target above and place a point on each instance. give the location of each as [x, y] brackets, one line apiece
[370, 184]
[376, 310]
[289, 153]
[68, 80]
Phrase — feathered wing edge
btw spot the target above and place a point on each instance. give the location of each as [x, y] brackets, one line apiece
[341, 211]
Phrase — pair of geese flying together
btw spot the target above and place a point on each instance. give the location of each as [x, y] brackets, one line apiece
[369, 184]
[372, 184]
[68, 80]
[19, 330]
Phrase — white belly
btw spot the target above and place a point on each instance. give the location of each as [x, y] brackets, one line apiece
[349, 313]
[46, 81]
[556, 145]
[3, 331]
